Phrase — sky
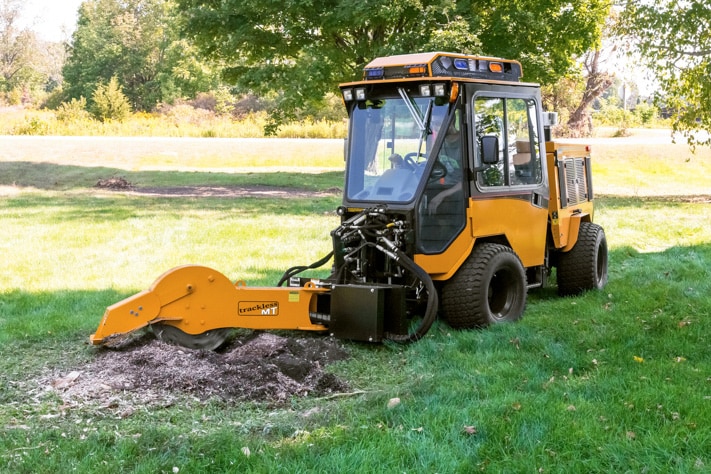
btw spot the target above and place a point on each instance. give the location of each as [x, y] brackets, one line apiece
[52, 20]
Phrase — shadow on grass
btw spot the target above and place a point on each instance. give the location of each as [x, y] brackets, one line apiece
[53, 177]
[121, 207]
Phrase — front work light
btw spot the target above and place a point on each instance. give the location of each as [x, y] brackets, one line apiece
[440, 90]
[360, 93]
[425, 90]
[347, 95]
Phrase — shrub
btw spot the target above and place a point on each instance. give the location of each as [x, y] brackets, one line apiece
[224, 102]
[250, 104]
[72, 111]
[181, 114]
[110, 103]
[203, 100]
[54, 99]
[33, 126]
[645, 113]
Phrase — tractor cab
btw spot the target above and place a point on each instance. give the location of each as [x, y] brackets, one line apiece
[406, 152]
[408, 146]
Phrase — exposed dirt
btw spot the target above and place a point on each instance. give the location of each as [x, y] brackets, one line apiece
[231, 191]
[115, 183]
[121, 184]
[262, 367]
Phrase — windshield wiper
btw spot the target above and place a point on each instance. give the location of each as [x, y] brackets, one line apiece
[422, 122]
[412, 107]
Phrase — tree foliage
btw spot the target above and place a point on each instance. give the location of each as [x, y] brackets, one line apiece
[15, 45]
[138, 42]
[25, 63]
[674, 39]
[300, 49]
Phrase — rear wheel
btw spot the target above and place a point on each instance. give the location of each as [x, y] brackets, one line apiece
[584, 267]
[489, 288]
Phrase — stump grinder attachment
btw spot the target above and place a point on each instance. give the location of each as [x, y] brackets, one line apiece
[194, 305]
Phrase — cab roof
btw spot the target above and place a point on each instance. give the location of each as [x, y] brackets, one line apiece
[440, 64]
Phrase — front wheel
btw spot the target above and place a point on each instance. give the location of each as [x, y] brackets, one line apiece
[489, 288]
[584, 267]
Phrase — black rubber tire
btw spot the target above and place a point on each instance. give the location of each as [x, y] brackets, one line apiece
[489, 288]
[584, 267]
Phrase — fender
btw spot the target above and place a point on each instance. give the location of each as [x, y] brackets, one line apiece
[574, 229]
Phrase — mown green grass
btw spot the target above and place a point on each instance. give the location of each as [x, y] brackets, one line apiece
[51, 176]
[610, 381]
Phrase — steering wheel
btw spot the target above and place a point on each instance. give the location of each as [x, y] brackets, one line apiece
[412, 158]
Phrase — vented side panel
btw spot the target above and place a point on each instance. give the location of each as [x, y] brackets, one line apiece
[573, 181]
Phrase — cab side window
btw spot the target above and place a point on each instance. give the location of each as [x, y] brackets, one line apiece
[513, 122]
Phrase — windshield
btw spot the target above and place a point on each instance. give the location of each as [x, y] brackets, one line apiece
[390, 141]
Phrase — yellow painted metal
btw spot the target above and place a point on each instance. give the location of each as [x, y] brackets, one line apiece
[522, 224]
[443, 266]
[196, 299]
[572, 231]
[565, 221]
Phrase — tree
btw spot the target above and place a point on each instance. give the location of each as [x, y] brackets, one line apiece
[300, 50]
[136, 41]
[17, 50]
[597, 81]
[673, 39]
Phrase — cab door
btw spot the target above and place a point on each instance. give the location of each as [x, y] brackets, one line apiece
[509, 193]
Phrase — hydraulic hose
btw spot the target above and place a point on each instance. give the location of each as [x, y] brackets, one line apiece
[432, 300]
[360, 229]
[301, 268]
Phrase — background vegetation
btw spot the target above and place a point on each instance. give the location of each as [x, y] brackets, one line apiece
[237, 58]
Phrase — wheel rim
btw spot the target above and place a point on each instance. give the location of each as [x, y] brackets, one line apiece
[601, 266]
[502, 293]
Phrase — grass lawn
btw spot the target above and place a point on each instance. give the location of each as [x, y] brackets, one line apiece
[611, 381]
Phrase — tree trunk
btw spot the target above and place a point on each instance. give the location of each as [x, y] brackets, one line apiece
[580, 121]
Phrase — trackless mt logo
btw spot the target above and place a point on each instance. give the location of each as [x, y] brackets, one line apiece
[258, 308]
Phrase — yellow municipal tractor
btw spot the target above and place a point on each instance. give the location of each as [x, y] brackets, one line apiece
[456, 202]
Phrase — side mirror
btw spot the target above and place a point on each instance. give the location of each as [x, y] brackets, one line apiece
[550, 119]
[489, 150]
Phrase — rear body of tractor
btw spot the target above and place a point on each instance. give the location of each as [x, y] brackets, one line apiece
[456, 202]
